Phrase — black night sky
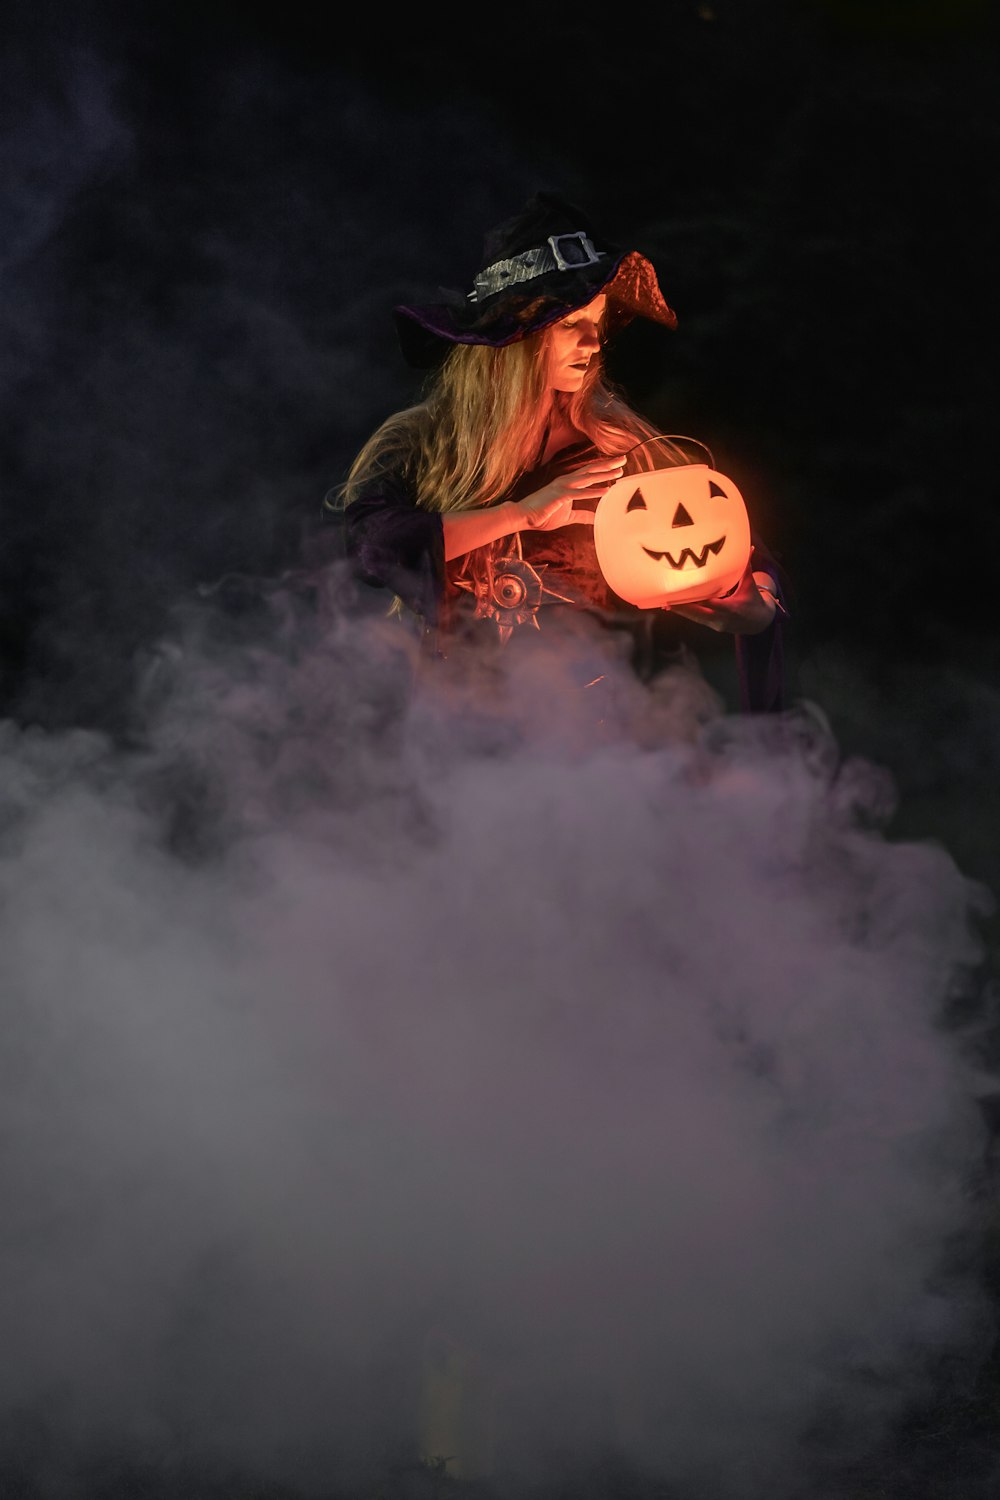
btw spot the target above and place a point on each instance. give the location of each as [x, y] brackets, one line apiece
[207, 215]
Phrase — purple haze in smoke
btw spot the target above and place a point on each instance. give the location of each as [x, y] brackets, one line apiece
[346, 1015]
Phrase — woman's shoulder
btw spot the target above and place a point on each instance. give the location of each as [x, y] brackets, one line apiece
[386, 466]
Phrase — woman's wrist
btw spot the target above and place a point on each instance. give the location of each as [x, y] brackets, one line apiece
[465, 530]
[515, 515]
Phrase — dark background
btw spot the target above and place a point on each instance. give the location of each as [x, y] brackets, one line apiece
[208, 213]
[211, 210]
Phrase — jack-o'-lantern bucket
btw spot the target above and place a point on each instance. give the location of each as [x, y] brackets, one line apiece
[673, 535]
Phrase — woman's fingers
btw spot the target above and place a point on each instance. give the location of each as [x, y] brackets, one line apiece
[606, 472]
[553, 506]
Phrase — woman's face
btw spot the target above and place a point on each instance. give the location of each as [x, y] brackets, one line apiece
[572, 344]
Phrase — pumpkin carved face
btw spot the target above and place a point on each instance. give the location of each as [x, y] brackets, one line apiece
[672, 536]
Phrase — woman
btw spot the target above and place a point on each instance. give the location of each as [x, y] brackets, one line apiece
[476, 507]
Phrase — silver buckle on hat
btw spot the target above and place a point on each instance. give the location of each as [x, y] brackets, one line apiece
[531, 263]
[590, 256]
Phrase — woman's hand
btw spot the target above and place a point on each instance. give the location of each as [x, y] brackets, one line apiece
[748, 610]
[543, 511]
[552, 506]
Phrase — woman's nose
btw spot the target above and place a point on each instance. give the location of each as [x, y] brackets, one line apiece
[588, 337]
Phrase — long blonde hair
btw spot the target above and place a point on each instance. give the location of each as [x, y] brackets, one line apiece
[483, 424]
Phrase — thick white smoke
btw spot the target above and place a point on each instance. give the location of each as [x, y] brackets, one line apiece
[471, 1064]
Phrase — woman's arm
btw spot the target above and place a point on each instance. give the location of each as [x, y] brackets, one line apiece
[760, 651]
[394, 543]
[464, 530]
[544, 510]
[746, 610]
[391, 543]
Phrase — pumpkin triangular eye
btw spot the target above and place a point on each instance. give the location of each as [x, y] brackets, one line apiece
[636, 502]
[715, 489]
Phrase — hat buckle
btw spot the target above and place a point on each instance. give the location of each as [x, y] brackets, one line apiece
[561, 252]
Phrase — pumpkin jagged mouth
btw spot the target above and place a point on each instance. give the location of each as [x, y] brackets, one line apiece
[687, 555]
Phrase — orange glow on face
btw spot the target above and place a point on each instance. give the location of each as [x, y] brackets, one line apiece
[672, 536]
[572, 344]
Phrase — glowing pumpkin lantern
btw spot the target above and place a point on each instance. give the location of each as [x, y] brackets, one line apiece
[672, 536]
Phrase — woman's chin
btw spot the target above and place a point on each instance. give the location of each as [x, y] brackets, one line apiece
[570, 381]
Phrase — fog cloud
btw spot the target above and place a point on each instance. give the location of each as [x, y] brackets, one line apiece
[367, 1030]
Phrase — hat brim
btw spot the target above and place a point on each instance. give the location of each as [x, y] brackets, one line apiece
[426, 332]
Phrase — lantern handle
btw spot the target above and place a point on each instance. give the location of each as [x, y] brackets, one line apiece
[673, 437]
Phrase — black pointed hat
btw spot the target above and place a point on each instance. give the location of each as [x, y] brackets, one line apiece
[536, 267]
